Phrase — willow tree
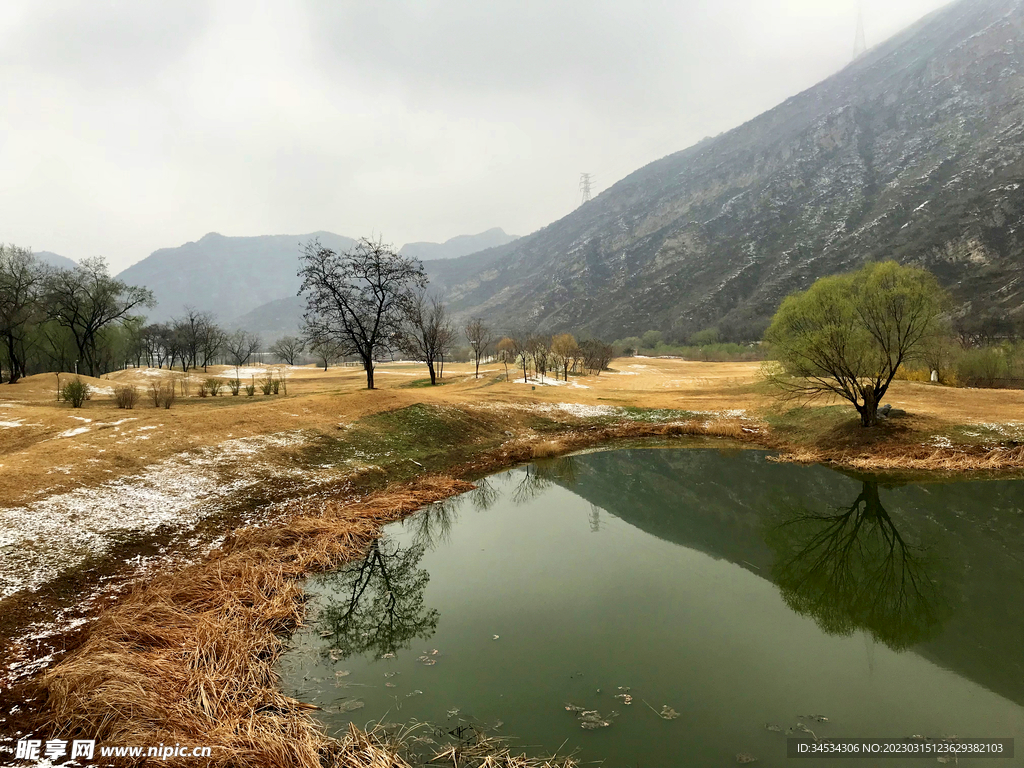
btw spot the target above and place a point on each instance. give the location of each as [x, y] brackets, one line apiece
[848, 335]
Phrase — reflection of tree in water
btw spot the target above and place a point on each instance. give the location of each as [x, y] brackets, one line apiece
[376, 604]
[541, 475]
[853, 570]
[483, 495]
[433, 524]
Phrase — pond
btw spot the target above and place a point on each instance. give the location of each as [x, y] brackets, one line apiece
[666, 607]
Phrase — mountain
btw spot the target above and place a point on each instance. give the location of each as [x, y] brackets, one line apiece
[228, 276]
[283, 317]
[462, 245]
[55, 259]
[913, 152]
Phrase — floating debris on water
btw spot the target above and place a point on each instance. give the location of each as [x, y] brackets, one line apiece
[497, 725]
[326, 633]
[343, 673]
[453, 713]
[773, 727]
[667, 713]
[335, 654]
[351, 705]
[574, 708]
[743, 758]
[390, 685]
[388, 656]
[818, 718]
[417, 692]
[495, 637]
[390, 674]
[626, 698]
[427, 661]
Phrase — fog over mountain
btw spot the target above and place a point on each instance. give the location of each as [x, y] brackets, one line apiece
[914, 152]
[131, 125]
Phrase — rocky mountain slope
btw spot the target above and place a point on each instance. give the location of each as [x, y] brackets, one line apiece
[913, 152]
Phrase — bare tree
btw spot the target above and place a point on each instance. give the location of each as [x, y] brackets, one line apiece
[325, 350]
[428, 331]
[288, 348]
[240, 346]
[21, 285]
[596, 355]
[86, 299]
[506, 353]
[564, 352]
[480, 340]
[358, 299]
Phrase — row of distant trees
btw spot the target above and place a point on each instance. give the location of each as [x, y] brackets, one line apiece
[369, 302]
[84, 320]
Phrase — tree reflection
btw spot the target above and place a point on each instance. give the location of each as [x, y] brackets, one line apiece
[376, 604]
[541, 475]
[852, 569]
[433, 524]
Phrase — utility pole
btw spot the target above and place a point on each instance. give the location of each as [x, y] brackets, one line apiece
[585, 181]
[860, 45]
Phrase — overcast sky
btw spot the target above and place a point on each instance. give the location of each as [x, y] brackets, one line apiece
[131, 126]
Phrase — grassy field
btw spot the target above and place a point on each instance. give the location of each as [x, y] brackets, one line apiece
[152, 550]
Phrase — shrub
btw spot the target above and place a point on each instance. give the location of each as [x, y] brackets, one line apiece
[214, 385]
[126, 396]
[250, 389]
[277, 386]
[982, 367]
[203, 391]
[75, 392]
[235, 386]
[162, 394]
[267, 384]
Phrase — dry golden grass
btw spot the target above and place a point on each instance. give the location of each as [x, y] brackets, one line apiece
[189, 657]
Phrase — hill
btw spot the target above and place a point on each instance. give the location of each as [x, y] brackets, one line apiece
[913, 152]
[228, 276]
[283, 317]
[462, 245]
[55, 259]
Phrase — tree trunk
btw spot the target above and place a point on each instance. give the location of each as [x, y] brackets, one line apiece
[433, 376]
[368, 366]
[869, 411]
[477, 367]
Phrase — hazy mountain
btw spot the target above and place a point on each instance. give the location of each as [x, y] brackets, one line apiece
[228, 276]
[55, 259]
[913, 152]
[462, 245]
[283, 317]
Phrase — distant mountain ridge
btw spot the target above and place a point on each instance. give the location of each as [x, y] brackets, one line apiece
[228, 276]
[914, 152]
[55, 259]
[463, 245]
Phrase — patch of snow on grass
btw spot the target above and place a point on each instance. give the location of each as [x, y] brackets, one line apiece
[75, 431]
[12, 424]
[42, 539]
[244, 373]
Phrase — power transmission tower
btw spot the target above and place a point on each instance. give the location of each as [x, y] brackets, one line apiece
[860, 45]
[585, 181]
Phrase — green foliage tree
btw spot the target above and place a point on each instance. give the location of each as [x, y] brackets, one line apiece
[848, 335]
[651, 339]
[86, 300]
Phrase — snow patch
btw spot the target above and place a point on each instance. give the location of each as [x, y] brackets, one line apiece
[75, 431]
[40, 540]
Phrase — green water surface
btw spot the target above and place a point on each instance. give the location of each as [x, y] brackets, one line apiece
[736, 592]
